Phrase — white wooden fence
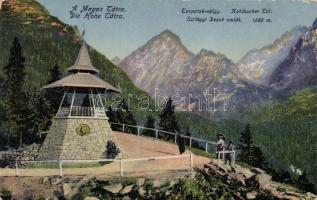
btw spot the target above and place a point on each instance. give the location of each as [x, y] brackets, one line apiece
[191, 139]
[157, 132]
[232, 158]
[60, 163]
[122, 162]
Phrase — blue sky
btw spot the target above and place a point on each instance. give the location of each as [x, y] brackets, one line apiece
[144, 19]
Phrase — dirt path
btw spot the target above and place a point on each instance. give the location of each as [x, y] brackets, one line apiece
[133, 146]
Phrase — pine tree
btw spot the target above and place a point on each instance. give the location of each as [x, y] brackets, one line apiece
[55, 74]
[14, 99]
[150, 123]
[30, 121]
[112, 115]
[245, 145]
[54, 96]
[2, 107]
[257, 158]
[168, 120]
[43, 115]
[125, 116]
[248, 152]
[49, 102]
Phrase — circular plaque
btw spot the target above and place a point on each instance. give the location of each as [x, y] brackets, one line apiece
[83, 129]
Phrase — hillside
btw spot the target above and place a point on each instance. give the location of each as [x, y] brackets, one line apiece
[45, 41]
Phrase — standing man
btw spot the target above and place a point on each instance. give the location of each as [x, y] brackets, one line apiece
[229, 156]
[220, 145]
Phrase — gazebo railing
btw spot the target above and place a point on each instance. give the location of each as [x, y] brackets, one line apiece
[80, 111]
[63, 112]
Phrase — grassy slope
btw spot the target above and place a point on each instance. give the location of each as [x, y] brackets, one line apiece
[45, 40]
[287, 131]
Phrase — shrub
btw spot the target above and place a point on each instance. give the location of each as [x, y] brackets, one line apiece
[5, 194]
[112, 150]
[181, 144]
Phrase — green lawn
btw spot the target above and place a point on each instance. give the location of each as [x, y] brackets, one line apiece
[201, 152]
[67, 165]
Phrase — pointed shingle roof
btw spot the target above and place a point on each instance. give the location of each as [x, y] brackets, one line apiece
[83, 80]
[82, 74]
[83, 62]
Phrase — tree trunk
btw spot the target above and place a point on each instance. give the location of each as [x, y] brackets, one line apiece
[8, 139]
[21, 142]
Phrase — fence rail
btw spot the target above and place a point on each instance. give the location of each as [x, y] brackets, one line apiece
[121, 168]
[157, 131]
[221, 155]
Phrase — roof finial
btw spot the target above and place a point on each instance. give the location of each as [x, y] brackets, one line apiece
[82, 35]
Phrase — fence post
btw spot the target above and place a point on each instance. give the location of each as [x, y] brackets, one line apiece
[138, 131]
[234, 158]
[206, 147]
[16, 168]
[191, 159]
[122, 127]
[156, 134]
[175, 137]
[60, 168]
[190, 142]
[121, 167]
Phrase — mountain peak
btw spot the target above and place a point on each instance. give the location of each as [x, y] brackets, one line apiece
[204, 52]
[28, 12]
[23, 8]
[168, 34]
[315, 23]
[167, 40]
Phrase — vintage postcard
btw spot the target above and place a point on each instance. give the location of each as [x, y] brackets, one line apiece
[158, 99]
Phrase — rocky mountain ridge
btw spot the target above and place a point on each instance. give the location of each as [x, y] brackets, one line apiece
[164, 66]
[299, 69]
[259, 64]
